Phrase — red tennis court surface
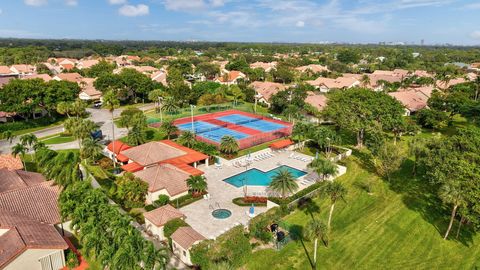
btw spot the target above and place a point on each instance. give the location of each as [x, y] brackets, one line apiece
[249, 129]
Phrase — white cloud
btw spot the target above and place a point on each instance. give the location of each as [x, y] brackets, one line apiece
[475, 34]
[133, 11]
[71, 2]
[217, 3]
[35, 3]
[186, 5]
[300, 24]
[472, 6]
[117, 2]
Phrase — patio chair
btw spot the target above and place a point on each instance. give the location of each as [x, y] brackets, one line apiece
[291, 155]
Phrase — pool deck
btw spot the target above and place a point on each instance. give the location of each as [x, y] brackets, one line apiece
[198, 214]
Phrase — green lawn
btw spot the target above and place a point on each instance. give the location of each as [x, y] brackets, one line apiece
[57, 139]
[399, 226]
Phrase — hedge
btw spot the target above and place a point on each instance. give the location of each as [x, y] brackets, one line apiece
[184, 200]
[295, 196]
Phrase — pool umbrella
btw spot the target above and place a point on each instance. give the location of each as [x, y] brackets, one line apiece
[252, 210]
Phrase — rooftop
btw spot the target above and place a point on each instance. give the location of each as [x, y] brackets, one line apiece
[186, 237]
[162, 215]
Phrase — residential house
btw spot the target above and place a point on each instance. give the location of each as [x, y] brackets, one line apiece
[8, 161]
[88, 90]
[126, 60]
[267, 67]
[160, 77]
[5, 71]
[265, 90]
[29, 213]
[114, 149]
[87, 63]
[71, 77]
[377, 81]
[318, 101]
[230, 78]
[326, 84]
[313, 68]
[165, 166]
[44, 77]
[413, 101]
[183, 239]
[23, 70]
[156, 219]
[445, 85]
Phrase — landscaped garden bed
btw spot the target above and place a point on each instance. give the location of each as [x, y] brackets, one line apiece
[249, 200]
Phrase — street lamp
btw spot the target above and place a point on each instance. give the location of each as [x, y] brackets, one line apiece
[191, 112]
[160, 105]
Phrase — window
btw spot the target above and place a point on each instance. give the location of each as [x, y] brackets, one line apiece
[184, 253]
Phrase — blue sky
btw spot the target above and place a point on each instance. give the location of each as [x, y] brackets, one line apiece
[361, 21]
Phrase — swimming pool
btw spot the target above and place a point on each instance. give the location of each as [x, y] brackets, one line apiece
[256, 177]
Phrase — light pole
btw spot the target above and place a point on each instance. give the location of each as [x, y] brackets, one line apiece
[191, 112]
[160, 105]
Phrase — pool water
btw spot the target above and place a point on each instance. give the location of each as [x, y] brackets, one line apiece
[221, 213]
[256, 177]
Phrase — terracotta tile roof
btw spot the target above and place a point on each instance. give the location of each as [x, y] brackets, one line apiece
[39, 202]
[186, 237]
[340, 82]
[23, 68]
[160, 77]
[191, 155]
[119, 146]
[451, 83]
[25, 233]
[67, 66]
[145, 69]
[11, 180]
[152, 152]
[231, 76]
[162, 215]
[87, 86]
[5, 70]
[10, 162]
[281, 144]
[383, 72]
[71, 77]
[44, 77]
[263, 65]
[132, 167]
[375, 79]
[314, 68]
[318, 101]
[411, 100]
[87, 63]
[267, 89]
[164, 176]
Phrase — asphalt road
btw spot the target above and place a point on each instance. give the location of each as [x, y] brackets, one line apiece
[101, 117]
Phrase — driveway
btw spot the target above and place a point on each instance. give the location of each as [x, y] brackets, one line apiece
[102, 117]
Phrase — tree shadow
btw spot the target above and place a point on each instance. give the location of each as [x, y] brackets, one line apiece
[420, 195]
[365, 159]
[309, 206]
[296, 234]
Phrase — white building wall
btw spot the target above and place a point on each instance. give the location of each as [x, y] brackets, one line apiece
[158, 231]
[32, 259]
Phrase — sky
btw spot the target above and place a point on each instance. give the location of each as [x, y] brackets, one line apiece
[361, 21]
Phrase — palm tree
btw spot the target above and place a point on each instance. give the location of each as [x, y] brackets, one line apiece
[90, 149]
[316, 229]
[169, 128]
[63, 108]
[365, 80]
[20, 149]
[301, 130]
[187, 139]
[63, 168]
[153, 258]
[111, 102]
[28, 140]
[229, 145]
[8, 135]
[323, 168]
[335, 191]
[170, 105]
[451, 194]
[283, 182]
[197, 184]
[84, 130]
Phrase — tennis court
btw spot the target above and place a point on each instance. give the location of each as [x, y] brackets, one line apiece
[247, 128]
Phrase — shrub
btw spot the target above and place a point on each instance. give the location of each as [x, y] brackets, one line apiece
[184, 200]
[72, 259]
[259, 228]
[105, 163]
[248, 201]
[295, 196]
[161, 201]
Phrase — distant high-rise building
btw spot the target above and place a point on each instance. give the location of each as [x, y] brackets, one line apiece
[422, 42]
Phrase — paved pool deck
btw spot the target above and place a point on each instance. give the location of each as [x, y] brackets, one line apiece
[198, 214]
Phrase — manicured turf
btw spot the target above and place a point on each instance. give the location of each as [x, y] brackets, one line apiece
[57, 139]
[399, 226]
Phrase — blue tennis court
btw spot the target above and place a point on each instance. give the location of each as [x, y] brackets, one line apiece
[199, 126]
[250, 122]
[217, 134]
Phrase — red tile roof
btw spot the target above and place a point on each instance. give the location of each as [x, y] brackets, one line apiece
[132, 167]
[165, 176]
[186, 237]
[5, 70]
[11, 180]
[162, 215]
[44, 77]
[10, 162]
[119, 146]
[411, 100]
[152, 152]
[71, 77]
[39, 202]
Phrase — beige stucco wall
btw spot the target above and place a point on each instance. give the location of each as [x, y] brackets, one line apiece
[158, 231]
[153, 196]
[178, 251]
[30, 259]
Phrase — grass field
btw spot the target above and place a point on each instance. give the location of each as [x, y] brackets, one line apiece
[399, 226]
[57, 139]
